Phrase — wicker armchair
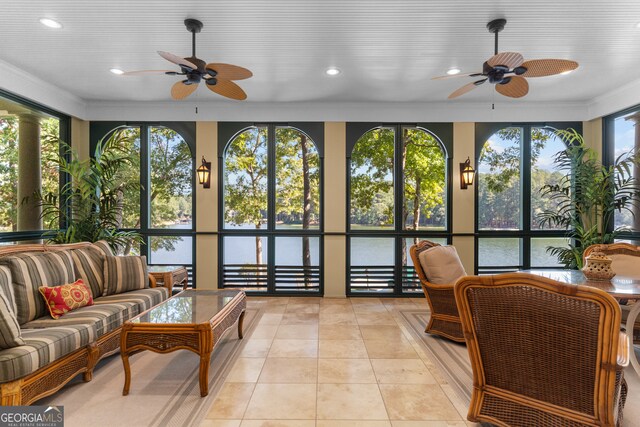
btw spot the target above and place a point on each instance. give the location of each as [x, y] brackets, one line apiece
[542, 352]
[444, 319]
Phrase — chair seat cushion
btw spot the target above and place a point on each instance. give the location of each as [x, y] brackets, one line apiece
[105, 317]
[144, 298]
[43, 346]
[441, 265]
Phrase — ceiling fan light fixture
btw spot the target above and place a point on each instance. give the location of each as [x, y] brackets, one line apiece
[332, 71]
[453, 71]
[564, 73]
[116, 71]
[51, 23]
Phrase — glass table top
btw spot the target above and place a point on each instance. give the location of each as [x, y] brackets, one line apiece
[618, 287]
[188, 307]
[163, 268]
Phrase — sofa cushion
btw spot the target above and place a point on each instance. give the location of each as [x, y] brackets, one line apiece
[104, 247]
[9, 327]
[144, 298]
[89, 266]
[124, 273]
[65, 298]
[105, 317]
[6, 288]
[29, 271]
[43, 346]
[442, 265]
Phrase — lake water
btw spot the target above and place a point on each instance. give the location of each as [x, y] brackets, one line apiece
[364, 251]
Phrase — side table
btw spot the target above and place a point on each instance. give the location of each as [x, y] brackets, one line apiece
[170, 275]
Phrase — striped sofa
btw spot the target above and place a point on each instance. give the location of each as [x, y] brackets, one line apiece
[50, 352]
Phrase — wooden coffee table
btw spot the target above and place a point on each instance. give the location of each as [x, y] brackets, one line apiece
[193, 320]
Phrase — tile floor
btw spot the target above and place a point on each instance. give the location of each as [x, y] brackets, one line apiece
[321, 362]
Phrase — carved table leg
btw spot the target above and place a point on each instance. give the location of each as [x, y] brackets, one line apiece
[240, 320]
[127, 373]
[205, 359]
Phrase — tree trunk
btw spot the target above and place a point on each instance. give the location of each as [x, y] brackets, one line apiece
[306, 209]
[258, 246]
[416, 208]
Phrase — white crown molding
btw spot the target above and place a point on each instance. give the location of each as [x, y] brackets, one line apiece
[516, 111]
[624, 97]
[24, 84]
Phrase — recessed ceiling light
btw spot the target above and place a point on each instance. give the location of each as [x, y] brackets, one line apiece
[564, 73]
[47, 22]
[333, 71]
[117, 71]
[453, 71]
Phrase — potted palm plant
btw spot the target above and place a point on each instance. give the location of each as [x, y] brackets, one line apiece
[91, 202]
[587, 197]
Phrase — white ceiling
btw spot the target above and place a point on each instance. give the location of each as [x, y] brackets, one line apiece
[387, 50]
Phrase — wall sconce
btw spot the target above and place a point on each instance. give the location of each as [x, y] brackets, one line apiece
[204, 173]
[467, 174]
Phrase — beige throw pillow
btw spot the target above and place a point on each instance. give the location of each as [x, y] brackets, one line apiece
[442, 265]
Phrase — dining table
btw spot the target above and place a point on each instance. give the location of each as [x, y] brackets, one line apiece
[622, 288]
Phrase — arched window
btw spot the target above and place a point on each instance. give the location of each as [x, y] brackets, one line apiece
[271, 223]
[398, 194]
[158, 184]
[514, 164]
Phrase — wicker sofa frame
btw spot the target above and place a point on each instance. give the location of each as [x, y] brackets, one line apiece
[51, 378]
[444, 319]
[582, 384]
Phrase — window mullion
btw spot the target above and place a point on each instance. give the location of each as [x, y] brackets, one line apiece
[145, 183]
[525, 201]
[271, 207]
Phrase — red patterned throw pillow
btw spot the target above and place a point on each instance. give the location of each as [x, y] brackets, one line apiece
[64, 298]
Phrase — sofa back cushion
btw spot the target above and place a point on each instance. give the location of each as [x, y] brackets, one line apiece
[6, 287]
[89, 266]
[442, 265]
[29, 271]
[104, 247]
[9, 328]
[124, 273]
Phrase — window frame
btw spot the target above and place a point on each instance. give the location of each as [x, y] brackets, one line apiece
[64, 136]
[483, 131]
[227, 132]
[443, 133]
[187, 130]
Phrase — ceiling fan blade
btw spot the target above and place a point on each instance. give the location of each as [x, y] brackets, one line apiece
[229, 72]
[227, 88]
[516, 88]
[181, 90]
[456, 75]
[177, 60]
[548, 67]
[508, 59]
[146, 72]
[464, 89]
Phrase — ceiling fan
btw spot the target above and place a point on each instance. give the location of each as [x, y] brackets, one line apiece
[507, 70]
[217, 76]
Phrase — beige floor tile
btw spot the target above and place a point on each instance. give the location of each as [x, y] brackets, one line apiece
[231, 401]
[264, 332]
[336, 309]
[461, 406]
[300, 319]
[384, 349]
[245, 370]
[271, 319]
[405, 371]
[369, 308]
[286, 370]
[282, 402]
[429, 424]
[345, 371]
[220, 423]
[342, 349]
[305, 300]
[346, 318]
[352, 423]
[382, 332]
[417, 402]
[256, 348]
[303, 308]
[278, 423]
[340, 332]
[337, 301]
[350, 402]
[276, 309]
[294, 348]
[365, 301]
[304, 332]
[375, 319]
